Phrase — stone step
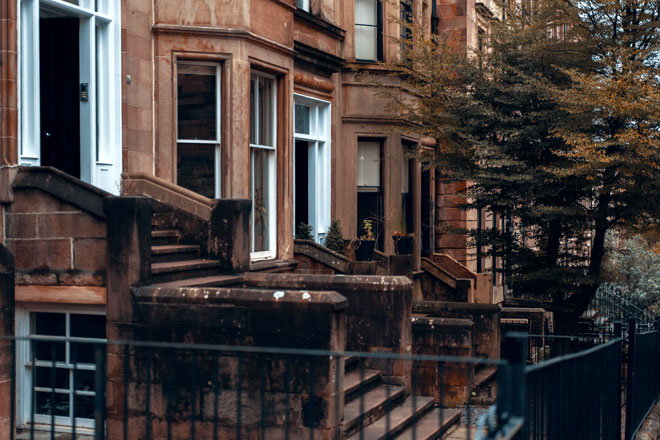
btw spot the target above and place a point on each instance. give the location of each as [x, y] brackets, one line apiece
[164, 237]
[173, 252]
[350, 363]
[179, 270]
[398, 419]
[432, 425]
[212, 281]
[484, 375]
[369, 407]
[359, 380]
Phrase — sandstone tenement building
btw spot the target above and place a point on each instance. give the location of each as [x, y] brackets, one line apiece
[167, 144]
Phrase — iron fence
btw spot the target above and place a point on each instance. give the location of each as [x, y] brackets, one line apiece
[131, 390]
[643, 375]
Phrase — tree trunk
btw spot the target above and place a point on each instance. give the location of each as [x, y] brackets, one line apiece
[579, 301]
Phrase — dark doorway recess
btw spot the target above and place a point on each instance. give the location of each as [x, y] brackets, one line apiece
[302, 182]
[60, 94]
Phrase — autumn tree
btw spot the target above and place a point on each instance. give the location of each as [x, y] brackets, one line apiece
[554, 124]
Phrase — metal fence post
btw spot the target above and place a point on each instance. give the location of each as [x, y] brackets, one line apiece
[511, 394]
[656, 367]
[618, 329]
[632, 332]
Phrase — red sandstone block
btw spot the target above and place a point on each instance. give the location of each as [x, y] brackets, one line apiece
[38, 278]
[451, 241]
[74, 225]
[89, 254]
[41, 254]
[31, 201]
[21, 226]
[78, 278]
[451, 214]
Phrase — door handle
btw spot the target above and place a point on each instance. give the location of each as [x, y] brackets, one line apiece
[47, 134]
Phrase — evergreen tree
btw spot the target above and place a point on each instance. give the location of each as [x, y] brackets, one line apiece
[304, 231]
[555, 128]
[334, 240]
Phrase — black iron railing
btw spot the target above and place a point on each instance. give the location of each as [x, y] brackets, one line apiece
[149, 390]
[643, 375]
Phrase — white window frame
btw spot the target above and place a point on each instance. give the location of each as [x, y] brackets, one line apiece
[318, 164]
[374, 25]
[24, 369]
[303, 4]
[272, 171]
[100, 28]
[218, 122]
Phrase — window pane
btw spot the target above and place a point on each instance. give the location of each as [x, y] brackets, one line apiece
[61, 380]
[195, 165]
[366, 45]
[253, 100]
[365, 12]
[261, 208]
[368, 164]
[266, 112]
[302, 119]
[83, 380]
[52, 324]
[45, 406]
[84, 407]
[87, 326]
[196, 106]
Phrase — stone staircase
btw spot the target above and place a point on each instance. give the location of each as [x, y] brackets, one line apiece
[174, 264]
[374, 410]
[484, 385]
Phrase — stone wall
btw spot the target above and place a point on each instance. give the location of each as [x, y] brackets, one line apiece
[447, 382]
[377, 316]
[54, 226]
[486, 335]
[275, 391]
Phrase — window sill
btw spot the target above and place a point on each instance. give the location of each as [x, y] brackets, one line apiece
[273, 265]
[325, 26]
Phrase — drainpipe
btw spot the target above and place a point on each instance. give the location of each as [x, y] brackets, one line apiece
[434, 18]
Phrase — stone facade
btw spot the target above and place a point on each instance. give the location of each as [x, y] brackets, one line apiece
[84, 245]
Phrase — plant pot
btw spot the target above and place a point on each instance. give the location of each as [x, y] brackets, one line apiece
[403, 245]
[364, 251]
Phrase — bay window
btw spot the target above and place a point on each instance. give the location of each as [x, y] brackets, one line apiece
[263, 134]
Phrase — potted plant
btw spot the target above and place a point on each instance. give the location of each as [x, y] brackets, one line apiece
[364, 246]
[403, 242]
[334, 239]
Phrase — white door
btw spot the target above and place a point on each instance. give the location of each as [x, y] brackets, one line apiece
[70, 100]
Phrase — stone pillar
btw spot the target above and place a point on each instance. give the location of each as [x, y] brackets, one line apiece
[129, 253]
[7, 373]
[229, 234]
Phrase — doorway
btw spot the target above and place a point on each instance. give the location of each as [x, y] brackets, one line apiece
[301, 172]
[60, 94]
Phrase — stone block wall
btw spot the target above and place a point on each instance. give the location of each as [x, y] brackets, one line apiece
[377, 315]
[447, 382]
[486, 335]
[279, 395]
[55, 243]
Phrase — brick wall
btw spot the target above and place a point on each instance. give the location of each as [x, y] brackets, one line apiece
[54, 243]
